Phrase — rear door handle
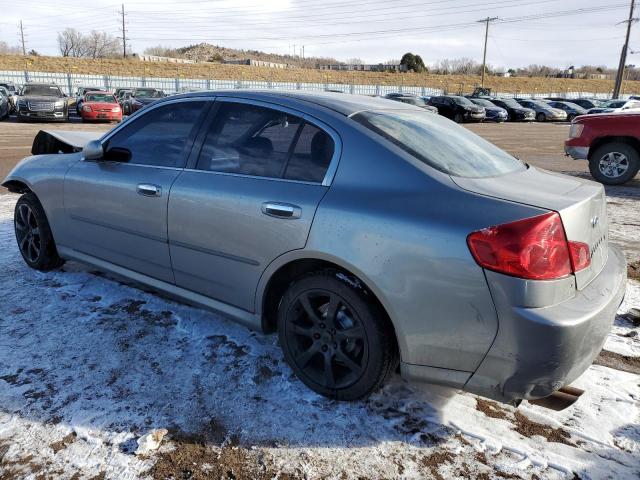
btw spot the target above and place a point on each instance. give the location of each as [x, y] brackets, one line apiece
[149, 190]
[281, 210]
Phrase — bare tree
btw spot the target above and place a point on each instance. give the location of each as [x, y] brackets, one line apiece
[71, 43]
[5, 49]
[354, 61]
[100, 45]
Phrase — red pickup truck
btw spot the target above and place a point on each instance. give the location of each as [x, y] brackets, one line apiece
[611, 143]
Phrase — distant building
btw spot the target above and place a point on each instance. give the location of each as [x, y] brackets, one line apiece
[257, 63]
[156, 58]
[350, 67]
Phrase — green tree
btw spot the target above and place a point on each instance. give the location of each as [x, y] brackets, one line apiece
[413, 63]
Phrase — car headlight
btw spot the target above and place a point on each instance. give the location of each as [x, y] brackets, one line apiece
[115, 109]
[86, 108]
[576, 130]
[59, 103]
[22, 103]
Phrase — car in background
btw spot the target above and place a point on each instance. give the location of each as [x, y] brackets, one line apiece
[4, 104]
[494, 113]
[140, 98]
[42, 101]
[80, 93]
[119, 91]
[457, 108]
[611, 144]
[266, 206]
[12, 96]
[572, 109]
[515, 111]
[611, 106]
[586, 103]
[544, 111]
[100, 106]
[122, 95]
[411, 100]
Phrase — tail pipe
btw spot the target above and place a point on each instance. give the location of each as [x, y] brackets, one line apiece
[560, 399]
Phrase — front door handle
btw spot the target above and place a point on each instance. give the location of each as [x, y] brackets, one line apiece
[149, 190]
[281, 210]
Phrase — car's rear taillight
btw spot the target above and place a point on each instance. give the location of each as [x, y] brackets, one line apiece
[534, 248]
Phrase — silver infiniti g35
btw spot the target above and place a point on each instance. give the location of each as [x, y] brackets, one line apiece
[366, 232]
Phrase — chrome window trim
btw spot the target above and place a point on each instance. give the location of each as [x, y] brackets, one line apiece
[337, 140]
[242, 175]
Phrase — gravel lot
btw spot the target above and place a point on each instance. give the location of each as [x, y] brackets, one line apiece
[88, 364]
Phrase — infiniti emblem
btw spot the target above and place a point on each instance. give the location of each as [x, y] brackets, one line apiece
[594, 221]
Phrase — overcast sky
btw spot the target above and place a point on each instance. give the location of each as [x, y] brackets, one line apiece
[536, 31]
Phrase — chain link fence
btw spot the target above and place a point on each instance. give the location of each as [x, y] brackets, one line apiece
[69, 82]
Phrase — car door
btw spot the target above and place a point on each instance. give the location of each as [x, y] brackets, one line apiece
[249, 196]
[116, 207]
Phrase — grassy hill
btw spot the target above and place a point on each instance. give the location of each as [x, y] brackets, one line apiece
[453, 83]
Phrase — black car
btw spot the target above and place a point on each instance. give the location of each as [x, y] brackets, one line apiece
[457, 108]
[494, 113]
[42, 101]
[515, 111]
[140, 98]
[12, 96]
[572, 109]
[411, 100]
[586, 103]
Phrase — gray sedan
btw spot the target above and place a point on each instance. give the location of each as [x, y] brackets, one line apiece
[368, 234]
[5, 106]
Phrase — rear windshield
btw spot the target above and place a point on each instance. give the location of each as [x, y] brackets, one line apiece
[440, 143]
[42, 90]
[149, 93]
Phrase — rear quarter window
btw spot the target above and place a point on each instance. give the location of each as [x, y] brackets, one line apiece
[440, 143]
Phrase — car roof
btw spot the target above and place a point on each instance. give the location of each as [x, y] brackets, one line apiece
[344, 103]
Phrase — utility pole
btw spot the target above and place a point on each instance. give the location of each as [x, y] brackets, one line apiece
[24, 48]
[623, 54]
[486, 21]
[124, 36]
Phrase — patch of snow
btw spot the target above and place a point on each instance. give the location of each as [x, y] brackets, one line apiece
[89, 364]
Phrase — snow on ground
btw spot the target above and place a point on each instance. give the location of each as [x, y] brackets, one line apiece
[89, 364]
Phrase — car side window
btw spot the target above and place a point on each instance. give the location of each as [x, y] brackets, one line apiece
[160, 137]
[249, 140]
[312, 155]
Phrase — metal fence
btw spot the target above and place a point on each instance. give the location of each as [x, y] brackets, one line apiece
[69, 82]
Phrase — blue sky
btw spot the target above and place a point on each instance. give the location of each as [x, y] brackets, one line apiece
[529, 31]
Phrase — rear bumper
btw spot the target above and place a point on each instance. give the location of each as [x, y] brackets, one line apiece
[101, 116]
[577, 153]
[539, 350]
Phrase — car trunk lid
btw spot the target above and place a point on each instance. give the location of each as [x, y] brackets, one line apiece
[580, 203]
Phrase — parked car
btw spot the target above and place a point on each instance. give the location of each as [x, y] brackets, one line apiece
[544, 112]
[42, 101]
[611, 106]
[100, 106]
[494, 113]
[572, 110]
[4, 104]
[515, 111]
[611, 144]
[80, 93]
[356, 267]
[586, 103]
[411, 100]
[120, 90]
[12, 96]
[457, 108]
[123, 97]
[139, 98]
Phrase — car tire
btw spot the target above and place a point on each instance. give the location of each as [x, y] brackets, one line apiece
[614, 163]
[458, 118]
[33, 235]
[541, 117]
[344, 358]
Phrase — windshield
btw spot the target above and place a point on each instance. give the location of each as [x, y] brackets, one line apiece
[614, 104]
[482, 102]
[3, 91]
[149, 93]
[101, 97]
[440, 143]
[412, 101]
[9, 88]
[42, 90]
[465, 102]
[510, 102]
